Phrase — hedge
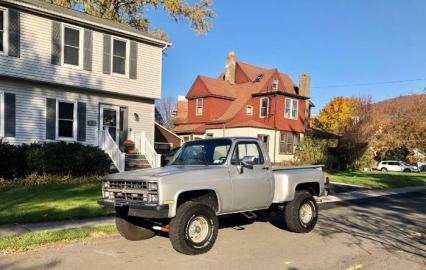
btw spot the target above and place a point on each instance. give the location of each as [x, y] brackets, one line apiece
[61, 158]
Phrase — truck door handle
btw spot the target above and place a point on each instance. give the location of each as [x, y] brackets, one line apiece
[265, 168]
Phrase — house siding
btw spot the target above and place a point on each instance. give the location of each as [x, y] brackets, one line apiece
[35, 63]
[31, 101]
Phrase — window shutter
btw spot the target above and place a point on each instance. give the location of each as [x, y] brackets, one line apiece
[133, 60]
[81, 122]
[9, 115]
[14, 33]
[124, 124]
[51, 119]
[107, 55]
[88, 49]
[56, 43]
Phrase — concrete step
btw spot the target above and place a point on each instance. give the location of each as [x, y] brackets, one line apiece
[135, 156]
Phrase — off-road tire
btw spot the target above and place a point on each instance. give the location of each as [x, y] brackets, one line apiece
[132, 229]
[179, 228]
[291, 213]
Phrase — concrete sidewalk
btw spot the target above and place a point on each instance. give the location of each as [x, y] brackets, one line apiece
[12, 229]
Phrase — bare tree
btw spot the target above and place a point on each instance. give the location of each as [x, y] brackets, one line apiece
[165, 108]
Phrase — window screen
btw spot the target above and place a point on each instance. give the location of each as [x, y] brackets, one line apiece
[119, 56]
[65, 120]
[71, 46]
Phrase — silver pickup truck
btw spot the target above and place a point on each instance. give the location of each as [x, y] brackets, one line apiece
[206, 179]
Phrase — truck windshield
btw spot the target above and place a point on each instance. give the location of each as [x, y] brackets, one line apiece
[204, 152]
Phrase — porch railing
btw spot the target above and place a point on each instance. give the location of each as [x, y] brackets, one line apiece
[107, 143]
[144, 147]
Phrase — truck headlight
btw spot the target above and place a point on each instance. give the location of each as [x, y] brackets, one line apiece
[105, 184]
[153, 186]
[153, 198]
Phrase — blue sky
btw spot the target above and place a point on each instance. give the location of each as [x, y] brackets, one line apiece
[336, 42]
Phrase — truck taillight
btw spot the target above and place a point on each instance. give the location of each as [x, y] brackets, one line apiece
[327, 180]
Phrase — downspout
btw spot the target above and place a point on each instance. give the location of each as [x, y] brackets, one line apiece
[275, 127]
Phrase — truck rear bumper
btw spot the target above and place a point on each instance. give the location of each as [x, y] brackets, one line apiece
[137, 209]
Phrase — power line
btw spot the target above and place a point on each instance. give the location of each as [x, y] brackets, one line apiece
[368, 84]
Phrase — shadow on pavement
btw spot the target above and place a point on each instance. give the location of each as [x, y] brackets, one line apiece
[51, 265]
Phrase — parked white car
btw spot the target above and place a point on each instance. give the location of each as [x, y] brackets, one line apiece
[396, 166]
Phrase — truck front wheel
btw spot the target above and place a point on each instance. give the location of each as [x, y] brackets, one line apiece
[301, 214]
[194, 228]
[133, 230]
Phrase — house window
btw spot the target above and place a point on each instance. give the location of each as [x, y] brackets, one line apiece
[72, 46]
[119, 56]
[249, 110]
[289, 142]
[199, 109]
[1, 114]
[264, 107]
[291, 108]
[66, 120]
[3, 31]
[275, 84]
[209, 135]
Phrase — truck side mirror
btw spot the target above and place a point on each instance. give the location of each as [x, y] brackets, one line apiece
[248, 161]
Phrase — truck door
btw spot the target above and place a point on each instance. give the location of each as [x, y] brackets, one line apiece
[251, 187]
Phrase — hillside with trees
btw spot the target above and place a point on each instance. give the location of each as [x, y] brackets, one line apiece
[369, 132]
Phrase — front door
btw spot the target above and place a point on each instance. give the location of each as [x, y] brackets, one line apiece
[251, 188]
[110, 120]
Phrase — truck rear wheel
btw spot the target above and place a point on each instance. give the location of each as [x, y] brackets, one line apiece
[194, 228]
[133, 230]
[301, 214]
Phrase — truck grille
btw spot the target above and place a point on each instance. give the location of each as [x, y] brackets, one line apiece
[125, 190]
[122, 184]
[130, 196]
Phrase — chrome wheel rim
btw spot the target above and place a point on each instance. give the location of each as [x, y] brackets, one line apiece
[306, 213]
[198, 229]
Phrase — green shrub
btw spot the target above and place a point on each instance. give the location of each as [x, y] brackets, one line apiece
[61, 159]
[400, 153]
[311, 151]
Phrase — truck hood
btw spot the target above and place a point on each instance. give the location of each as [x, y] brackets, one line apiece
[155, 173]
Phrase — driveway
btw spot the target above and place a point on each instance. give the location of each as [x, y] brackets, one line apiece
[380, 233]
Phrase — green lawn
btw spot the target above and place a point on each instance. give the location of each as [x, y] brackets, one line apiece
[21, 204]
[24, 241]
[376, 179]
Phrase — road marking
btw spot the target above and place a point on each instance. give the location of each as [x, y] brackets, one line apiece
[358, 266]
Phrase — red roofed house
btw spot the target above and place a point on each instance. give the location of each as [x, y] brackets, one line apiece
[251, 101]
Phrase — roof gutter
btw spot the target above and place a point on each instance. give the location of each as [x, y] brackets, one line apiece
[39, 10]
[279, 93]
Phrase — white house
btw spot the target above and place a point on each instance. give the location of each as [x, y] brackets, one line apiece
[69, 76]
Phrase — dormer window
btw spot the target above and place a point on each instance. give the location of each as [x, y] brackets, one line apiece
[72, 48]
[275, 85]
[199, 107]
[258, 77]
[3, 30]
[249, 110]
[291, 108]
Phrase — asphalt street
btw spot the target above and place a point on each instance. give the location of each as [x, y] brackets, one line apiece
[379, 233]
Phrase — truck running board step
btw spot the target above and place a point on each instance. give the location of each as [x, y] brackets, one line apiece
[249, 215]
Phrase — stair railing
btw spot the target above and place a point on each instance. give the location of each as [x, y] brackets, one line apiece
[144, 147]
[107, 143]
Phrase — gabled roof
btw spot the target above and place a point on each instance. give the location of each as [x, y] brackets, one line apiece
[240, 93]
[71, 15]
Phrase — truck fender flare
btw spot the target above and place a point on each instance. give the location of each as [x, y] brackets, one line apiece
[174, 209]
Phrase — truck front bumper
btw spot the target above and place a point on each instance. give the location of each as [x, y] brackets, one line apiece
[137, 209]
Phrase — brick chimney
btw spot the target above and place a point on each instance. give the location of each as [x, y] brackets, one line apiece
[305, 90]
[230, 65]
[305, 85]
